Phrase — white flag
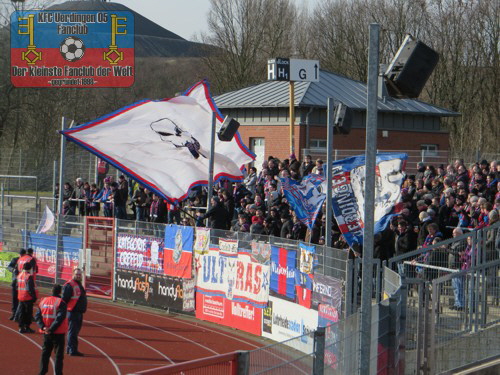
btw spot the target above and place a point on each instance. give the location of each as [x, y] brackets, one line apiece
[47, 221]
[165, 144]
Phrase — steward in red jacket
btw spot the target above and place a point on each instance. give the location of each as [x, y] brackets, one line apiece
[51, 318]
[27, 295]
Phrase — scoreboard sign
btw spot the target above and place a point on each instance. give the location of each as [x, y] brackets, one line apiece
[72, 48]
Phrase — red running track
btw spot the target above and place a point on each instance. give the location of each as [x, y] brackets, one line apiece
[120, 339]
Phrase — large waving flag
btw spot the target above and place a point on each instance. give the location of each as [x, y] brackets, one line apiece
[165, 144]
[348, 195]
[305, 197]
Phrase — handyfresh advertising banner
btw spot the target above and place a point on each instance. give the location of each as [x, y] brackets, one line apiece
[150, 289]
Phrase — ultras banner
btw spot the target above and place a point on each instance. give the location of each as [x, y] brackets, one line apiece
[241, 279]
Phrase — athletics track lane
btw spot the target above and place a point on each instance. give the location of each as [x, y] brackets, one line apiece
[119, 339]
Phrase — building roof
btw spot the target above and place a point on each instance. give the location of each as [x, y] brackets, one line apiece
[151, 40]
[315, 94]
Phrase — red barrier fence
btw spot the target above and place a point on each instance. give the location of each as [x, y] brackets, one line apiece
[222, 364]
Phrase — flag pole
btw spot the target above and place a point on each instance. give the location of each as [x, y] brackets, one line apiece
[369, 215]
[211, 164]
[60, 197]
[328, 174]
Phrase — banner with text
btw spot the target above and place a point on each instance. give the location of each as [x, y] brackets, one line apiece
[283, 268]
[148, 289]
[327, 290]
[139, 253]
[44, 247]
[240, 279]
[283, 320]
[233, 314]
[68, 48]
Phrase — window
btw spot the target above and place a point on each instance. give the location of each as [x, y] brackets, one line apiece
[429, 150]
[318, 143]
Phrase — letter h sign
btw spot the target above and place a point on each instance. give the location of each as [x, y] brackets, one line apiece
[278, 69]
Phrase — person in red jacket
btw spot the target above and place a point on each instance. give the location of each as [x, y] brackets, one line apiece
[27, 296]
[51, 318]
[76, 299]
[26, 258]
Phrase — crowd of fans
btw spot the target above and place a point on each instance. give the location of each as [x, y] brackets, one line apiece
[435, 202]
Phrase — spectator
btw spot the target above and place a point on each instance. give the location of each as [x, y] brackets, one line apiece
[307, 166]
[139, 200]
[406, 239]
[318, 169]
[294, 163]
[250, 181]
[420, 171]
[286, 227]
[217, 215]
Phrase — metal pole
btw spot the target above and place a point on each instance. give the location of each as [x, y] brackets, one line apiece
[2, 197]
[292, 114]
[368, 241]
[60, 200]
[328, 174]
[54, 174]
[211, 163]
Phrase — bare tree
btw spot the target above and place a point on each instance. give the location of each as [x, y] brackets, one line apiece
[245, 33]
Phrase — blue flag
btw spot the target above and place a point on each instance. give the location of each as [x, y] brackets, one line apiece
[305, 197]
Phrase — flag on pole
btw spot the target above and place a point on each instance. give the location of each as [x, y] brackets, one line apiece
[165, 144]
[305, 197]
[46, 222]
[348, 195]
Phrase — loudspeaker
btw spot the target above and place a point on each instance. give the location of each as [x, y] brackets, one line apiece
[411, 68]
[342, 119]
[228, 129]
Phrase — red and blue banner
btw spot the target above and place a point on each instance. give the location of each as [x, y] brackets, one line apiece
[178, 251]
[303, 287]
[348, 194]
[56, 48]
[283, 268]
[44, 247]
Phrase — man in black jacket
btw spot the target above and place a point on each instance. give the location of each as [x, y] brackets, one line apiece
[12, 267]
[406, 238]
[217, 215]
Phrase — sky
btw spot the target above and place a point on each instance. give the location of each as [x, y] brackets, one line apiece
[185, 18]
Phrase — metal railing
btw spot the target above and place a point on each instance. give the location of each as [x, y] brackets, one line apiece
[463, 304]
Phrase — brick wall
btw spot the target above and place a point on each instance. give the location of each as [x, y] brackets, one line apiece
[277, 139]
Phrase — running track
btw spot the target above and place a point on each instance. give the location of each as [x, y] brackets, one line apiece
[118, 339]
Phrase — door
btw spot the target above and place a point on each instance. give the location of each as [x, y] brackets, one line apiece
[258, 146]
[99, 245]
